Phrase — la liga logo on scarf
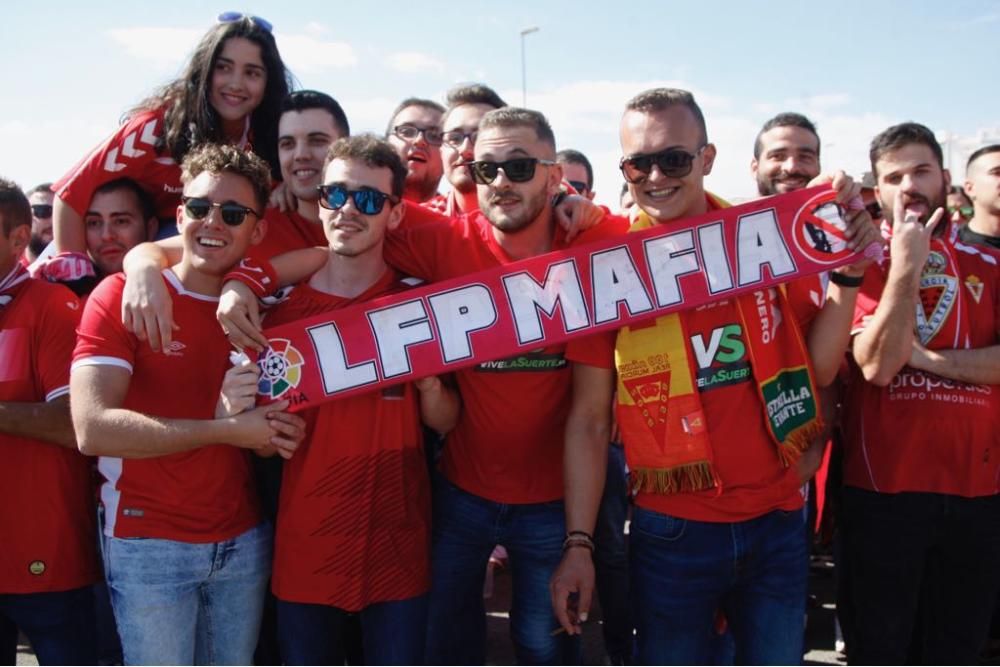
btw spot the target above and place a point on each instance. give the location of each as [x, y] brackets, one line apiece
[546, 300]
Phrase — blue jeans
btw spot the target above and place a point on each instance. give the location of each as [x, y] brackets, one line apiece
[611, 560]
[181, 603]
[683, 571]
[60, 626]
[393, 632]
[466, 528]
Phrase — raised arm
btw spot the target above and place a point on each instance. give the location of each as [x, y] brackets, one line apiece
[147, 310]
[885, 345]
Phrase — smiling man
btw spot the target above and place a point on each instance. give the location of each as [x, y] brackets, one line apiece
[157, 421]
[716, 481]
[415, 133]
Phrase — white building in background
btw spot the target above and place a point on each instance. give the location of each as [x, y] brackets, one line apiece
[957, 149]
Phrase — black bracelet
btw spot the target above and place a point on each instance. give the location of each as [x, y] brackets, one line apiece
[846, 281]
[581, 533]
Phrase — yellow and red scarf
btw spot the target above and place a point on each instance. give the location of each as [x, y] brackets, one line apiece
[659, 409]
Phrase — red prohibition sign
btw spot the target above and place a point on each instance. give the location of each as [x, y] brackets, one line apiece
[817, 236]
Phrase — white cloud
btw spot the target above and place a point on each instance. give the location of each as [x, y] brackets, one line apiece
[302, 52]
[412, 62]
[306, 53]
[164, 47]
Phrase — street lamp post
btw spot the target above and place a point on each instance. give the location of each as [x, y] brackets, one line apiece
[524, 67]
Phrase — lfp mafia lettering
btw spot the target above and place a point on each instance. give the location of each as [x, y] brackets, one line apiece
[546, 300]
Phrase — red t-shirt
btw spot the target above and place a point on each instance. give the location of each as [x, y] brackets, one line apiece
[128, 153]
[202, 495]
[47, 516]
[922, 432]
[286, 232]
[753, 479]
[508, 444]
[354, 515]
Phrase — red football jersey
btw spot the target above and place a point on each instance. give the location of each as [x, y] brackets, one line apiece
[286, 232]
[508, 444]
[745, 457]
[47, 515]
[202, 495]
[922, 432]
[128, 153]
[353, 523]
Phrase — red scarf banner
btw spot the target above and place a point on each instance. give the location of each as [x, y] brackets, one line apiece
[549, 299]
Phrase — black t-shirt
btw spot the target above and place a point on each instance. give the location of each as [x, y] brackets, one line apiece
[969, 237]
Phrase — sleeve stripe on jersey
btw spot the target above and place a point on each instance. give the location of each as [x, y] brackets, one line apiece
[101, 361]
[56, 393]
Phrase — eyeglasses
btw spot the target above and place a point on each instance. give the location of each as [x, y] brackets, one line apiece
[673, 163]
[965, 211]
[579, 186]
[233, 17]
[455, 138]
[431, 135]
[233, 214]
[518, 170]
[368, 201]
[41, 211]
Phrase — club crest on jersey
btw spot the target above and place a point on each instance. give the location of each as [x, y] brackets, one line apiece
[975, 286]
[280, 368]
[938, 292]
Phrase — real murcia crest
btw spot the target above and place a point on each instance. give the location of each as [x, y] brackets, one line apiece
[937, 298]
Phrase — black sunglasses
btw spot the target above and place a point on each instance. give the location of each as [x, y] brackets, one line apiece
[518, 170]
[673, 163]
[233, 214]
[368, 201]
[579, 186]
[41, 211]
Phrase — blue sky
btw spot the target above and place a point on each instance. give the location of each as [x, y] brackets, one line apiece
[854, 67]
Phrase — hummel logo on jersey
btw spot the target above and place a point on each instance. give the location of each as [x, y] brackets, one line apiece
[129, 149]
[722, 360]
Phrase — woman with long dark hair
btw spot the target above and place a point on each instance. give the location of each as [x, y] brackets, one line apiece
[230, 92]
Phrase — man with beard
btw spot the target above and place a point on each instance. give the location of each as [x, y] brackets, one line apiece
[40, 197]
[415, 133]
[467, 104]
[982, 185]
[921, 500]
[500, 478]
[718, 522]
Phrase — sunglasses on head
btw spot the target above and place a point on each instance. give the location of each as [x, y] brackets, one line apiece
[431, 135]
[518, 170]
[41, 211]
[233, 214]
[233, 17]
[579, 186]
[368, 201]
[672, 163]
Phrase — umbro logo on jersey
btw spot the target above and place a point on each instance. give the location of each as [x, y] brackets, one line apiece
[175, 349]
[129, 149]
[72, 305]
